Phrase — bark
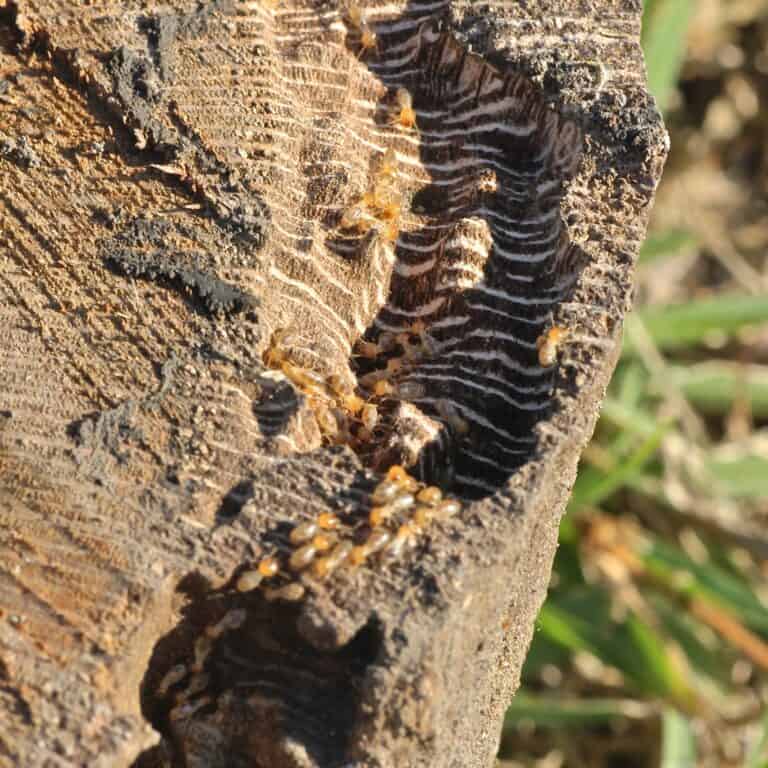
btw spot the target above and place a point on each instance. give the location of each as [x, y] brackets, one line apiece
[171, 181]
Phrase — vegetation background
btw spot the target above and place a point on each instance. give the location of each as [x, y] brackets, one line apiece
[652, 647]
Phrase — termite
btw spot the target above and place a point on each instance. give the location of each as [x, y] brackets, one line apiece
[353, 403]
[303, 377]
[358, 22]
[548, 343]
[405, 535]
[249, 580]
[367, 349]
[325, 565]
[386, 164]
[356, 217]
[327, 422]
[268, 567]
[422, 516]
[368, 39]
[447, 508]
[397, 473]
[288, 592]
[302, 558]
[450, 413]
[430, 496]
[385, 492]
[303, 532]
[370, 416]
[328, 521]
[405, 116]
[382, 388]
[410, 390]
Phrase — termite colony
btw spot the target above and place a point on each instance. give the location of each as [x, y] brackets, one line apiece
[341, 415]
[355, 410]
[401, 510]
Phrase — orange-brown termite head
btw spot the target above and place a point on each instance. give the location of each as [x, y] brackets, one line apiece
[382, 388]
[548, 343]
[358, 555]
[418, 327]
[328, 521]
[389, 211]
[388, 231]
[354, 403]
[268, 567]
[404, 115]
[397, 473]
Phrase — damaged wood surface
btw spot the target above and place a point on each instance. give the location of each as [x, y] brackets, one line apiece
[173, 180]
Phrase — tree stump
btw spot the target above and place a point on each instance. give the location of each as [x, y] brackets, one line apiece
[180, 213]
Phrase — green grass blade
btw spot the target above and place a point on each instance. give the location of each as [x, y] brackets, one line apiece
[630, 383]
[543, 652]
[566, 630]
[652, 664]
[676, 326]
[668, 243]
[714, 387]
[678, 742]
[709, 661]
[758, 756]
[709, 581]
[580, 619]
[741, 478]
[559, 712]
[627, 418]
[594, 487]
[665, 25]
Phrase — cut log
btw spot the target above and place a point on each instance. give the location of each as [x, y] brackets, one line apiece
[220, 224]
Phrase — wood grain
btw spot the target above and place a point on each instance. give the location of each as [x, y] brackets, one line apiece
[171, 185]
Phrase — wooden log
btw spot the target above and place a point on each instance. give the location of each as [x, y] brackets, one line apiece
[193, 195]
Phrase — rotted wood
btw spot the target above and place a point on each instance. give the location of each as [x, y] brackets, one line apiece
[173, 179]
